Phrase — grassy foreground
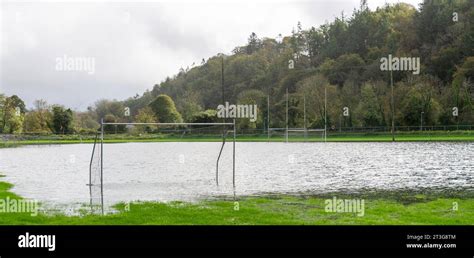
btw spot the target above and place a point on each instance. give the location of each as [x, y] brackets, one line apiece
[389, 208]
[381, 208]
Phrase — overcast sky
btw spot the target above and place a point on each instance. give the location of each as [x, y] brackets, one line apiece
[134, 45]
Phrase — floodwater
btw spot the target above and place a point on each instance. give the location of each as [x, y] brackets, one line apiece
[186, 171]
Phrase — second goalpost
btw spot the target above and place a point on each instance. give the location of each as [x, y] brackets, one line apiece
[96, 167]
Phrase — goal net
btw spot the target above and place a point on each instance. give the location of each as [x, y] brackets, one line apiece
[95, 176]
[208, 148]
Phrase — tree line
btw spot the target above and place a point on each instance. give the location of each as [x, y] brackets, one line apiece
[340, 59]
[343, 58]
[44, 118]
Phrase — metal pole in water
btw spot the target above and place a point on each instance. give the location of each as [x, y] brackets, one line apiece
[90, 170]
[233, 162]
[393, 107]
[102, 164]
[286, 134]
[224, 128]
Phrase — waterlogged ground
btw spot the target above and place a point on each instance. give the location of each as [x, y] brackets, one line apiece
[185, 171]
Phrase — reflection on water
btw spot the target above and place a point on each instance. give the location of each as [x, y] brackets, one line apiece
[186, 171]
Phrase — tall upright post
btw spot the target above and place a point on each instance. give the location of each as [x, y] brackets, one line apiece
[268, 117]
[340, 123]
[325, 114]
[393, 106]
[304, 117]
[233, 162]
[223, 121]
[286, 133]
[421, 121]
[223, 97]
[102, 164]
[90, 171]
[222, 79]
[457, 123]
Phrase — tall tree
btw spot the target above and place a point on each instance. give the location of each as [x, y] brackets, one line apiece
[62, 120]
[13, 111]
[253, 44]
[164, 108]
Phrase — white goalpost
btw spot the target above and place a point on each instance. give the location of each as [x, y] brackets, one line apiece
[96, 167]
[305, 131]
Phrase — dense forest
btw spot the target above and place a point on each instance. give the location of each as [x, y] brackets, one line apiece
[341, 57]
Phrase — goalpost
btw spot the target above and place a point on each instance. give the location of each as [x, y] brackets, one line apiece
[305, 129]
[287, 132]
[96, 166]
[305, 132]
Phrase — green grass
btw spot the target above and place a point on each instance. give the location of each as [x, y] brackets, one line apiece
[381, 208]
[461, 136]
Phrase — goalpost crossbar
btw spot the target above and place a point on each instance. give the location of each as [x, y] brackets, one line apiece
[168, 124]
[297, 129]
[306, 130]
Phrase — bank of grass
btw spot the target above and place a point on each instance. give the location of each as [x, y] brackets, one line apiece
[381, 208]
[434, 136]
